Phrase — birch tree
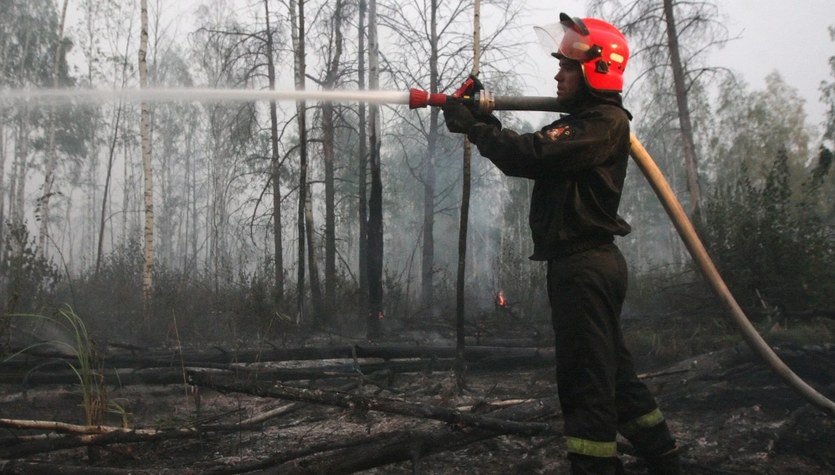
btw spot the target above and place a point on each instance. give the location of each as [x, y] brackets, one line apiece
[147, 167]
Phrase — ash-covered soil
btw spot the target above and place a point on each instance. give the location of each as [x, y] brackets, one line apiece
[730, 413]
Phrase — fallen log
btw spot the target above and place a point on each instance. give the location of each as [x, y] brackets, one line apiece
[175, 374]
[56, 426]
[389, 447]
[22, 467]
[221, 358]
[353, 401]
[17, 448]
[89, 436]
[114, 377]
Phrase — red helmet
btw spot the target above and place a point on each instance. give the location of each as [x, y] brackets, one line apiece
[600, 48]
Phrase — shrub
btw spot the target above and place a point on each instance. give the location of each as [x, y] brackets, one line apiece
[770, 243]
[27, 279]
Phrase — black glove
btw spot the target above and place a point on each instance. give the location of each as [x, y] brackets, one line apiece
[473, 88]
[459, 118]
[470, 86]
[489, 119]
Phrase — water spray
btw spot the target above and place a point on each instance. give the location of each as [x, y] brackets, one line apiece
[483, 100]
[70, 96]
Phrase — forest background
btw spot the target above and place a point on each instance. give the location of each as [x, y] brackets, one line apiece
[237, 220]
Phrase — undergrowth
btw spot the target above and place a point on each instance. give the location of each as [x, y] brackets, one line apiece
[67, 333]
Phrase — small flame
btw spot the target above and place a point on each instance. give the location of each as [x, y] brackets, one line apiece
[501, 301]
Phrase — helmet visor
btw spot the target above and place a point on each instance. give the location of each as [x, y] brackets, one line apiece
[564, 41]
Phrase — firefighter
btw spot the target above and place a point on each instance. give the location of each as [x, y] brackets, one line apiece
[578, 164]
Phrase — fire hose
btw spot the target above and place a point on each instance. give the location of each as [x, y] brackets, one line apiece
[484, 102]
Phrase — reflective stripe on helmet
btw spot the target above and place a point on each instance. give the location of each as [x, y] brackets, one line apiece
[591, 448]
[650, 419]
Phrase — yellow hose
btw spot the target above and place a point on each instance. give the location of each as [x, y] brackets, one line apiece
[699, 253]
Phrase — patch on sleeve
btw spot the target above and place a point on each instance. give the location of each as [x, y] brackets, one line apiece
[559, 133]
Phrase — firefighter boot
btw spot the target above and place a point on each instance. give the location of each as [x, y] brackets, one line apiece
[657, 447]
[664, 464]
[586, 465]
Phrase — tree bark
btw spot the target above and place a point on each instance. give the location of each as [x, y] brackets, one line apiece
[460, 288]
[3, 187]
[328, 146]
[275, 171]
[145, 131]
[108, 174]
[362, 171]
[19, 171]
[297, 33]
[690, 159]
[428, 249]
[310, 235]
[375, 201]
[313, 262]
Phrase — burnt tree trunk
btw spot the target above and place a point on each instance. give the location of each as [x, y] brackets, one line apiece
[297, 33]
[428, 249]
[460, 288]
[275, 171]
[690, 160]
[375, 200]
[353, 401]
[328, 146]
[362, 171]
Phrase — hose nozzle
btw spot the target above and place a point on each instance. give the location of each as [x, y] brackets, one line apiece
[419, 98]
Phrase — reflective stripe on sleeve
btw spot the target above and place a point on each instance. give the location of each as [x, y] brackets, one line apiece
[650, 419]
[592, 448]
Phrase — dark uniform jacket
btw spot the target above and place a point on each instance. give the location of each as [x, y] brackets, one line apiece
[578, 163]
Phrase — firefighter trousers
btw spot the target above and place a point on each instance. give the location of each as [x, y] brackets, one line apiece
[599, 392]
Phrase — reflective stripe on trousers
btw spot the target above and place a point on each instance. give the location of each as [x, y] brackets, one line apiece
[647, 421]
[594, 448]
[591, 448]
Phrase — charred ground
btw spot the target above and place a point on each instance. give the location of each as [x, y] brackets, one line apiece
[730, 413]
